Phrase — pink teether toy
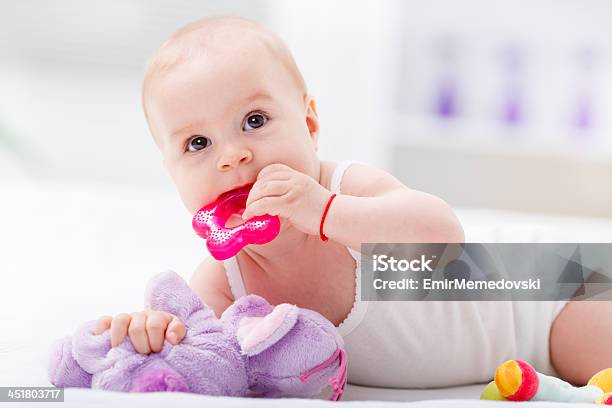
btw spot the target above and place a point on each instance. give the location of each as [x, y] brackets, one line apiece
[223, 242]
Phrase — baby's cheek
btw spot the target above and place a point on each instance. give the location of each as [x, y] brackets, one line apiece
[194, 196]
[192, 201]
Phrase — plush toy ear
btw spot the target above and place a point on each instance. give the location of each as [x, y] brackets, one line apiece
[258, 333]
[168, 291]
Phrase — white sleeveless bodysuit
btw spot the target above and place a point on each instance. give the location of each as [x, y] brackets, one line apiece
[419, 344]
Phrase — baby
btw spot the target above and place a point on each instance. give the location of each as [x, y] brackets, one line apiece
[227, 106]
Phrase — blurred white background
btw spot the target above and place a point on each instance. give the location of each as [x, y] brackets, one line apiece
[490, 105]
[497, 104]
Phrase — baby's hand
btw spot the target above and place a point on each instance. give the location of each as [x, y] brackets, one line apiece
[147, 329]
[283, 191]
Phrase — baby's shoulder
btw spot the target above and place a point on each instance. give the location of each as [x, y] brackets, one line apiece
[365, 180]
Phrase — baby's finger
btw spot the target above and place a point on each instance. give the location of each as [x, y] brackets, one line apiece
[103, 324]
[269, 188]
[265, 205]
[274, 169]
[157, 321]
[138, 334]
[176, 331]
[119, 328]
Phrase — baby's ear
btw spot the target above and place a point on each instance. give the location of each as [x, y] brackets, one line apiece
[312, 117]
[311, 105]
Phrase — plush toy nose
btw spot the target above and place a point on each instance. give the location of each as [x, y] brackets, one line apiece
[158, 376]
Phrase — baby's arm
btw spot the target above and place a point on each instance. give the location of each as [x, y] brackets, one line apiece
[209, 282]
[376, 207]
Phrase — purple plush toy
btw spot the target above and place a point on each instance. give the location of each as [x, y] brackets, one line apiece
[255, 349]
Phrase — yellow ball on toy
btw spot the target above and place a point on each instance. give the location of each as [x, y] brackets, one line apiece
[491, 393]
[602, 379]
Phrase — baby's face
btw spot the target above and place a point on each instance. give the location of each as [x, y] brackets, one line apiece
[219, 121]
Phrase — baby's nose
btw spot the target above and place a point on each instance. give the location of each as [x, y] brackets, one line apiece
[235, 158]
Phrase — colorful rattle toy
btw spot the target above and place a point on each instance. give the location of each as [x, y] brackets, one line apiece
[517, 380]
[223, 242]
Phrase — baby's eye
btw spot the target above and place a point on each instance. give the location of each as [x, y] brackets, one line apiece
[197, 142]
[254, 121]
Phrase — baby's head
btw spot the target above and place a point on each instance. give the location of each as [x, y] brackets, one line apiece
[224, 98]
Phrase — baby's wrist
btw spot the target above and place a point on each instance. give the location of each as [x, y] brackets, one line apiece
[324, 215]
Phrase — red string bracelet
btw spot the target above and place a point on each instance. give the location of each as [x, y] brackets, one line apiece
[323, 237]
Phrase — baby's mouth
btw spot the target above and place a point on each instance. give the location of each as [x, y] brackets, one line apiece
[235, 219]
[246, 186]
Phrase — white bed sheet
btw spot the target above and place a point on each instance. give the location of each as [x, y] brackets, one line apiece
[409, 398]
[71, 252]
